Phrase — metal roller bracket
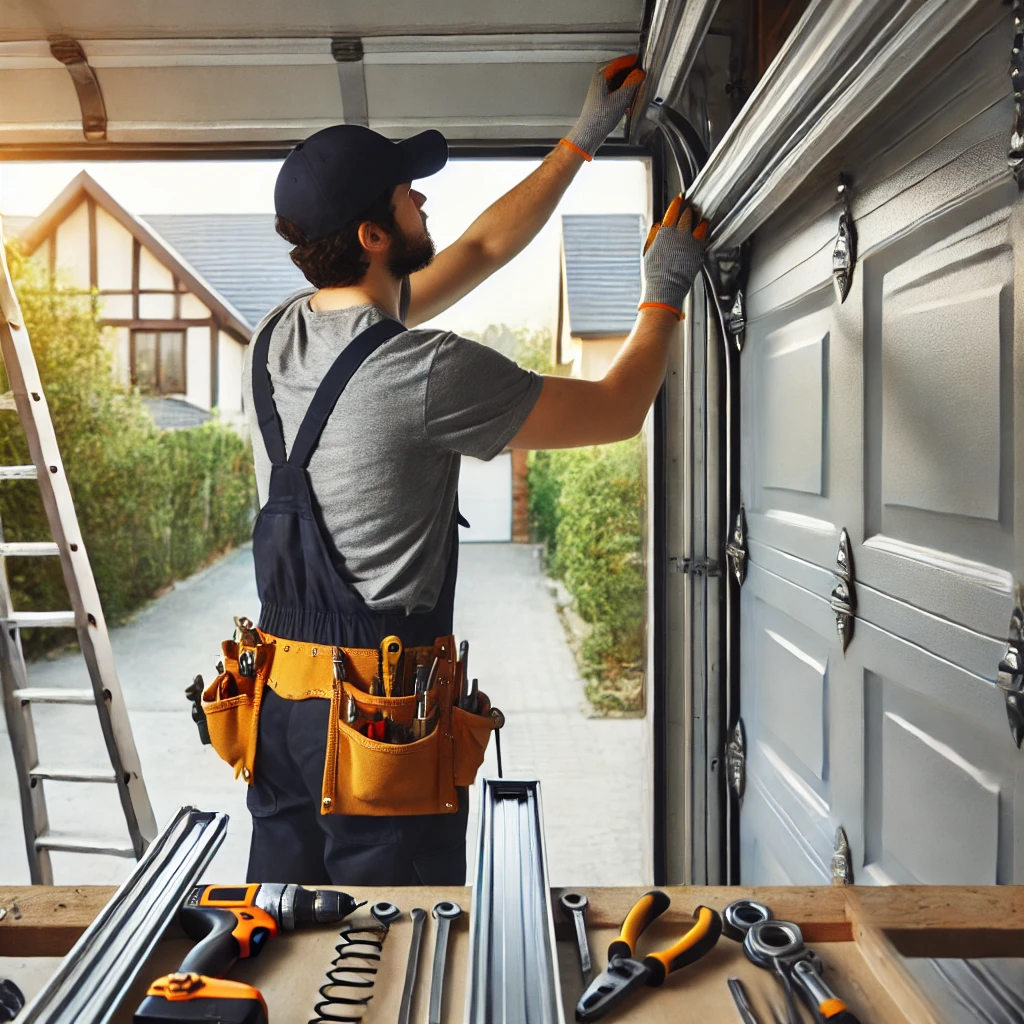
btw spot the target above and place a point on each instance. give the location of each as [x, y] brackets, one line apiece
[1015, 156]
[844, 249]
[1010, 677]
[736, 549]
[844, 594]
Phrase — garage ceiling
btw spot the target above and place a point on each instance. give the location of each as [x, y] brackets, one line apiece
[192, 72]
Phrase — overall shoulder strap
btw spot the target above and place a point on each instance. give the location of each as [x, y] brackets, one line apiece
[262, 394]
[334, 383]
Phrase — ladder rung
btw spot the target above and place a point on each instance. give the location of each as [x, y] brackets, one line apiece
[17, 472]
[83, 844]
[29, 549]
[72, 774]
[7, 401]
[54, 695]
[45, 620]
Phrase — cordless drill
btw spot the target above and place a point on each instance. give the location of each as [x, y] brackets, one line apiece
[230, 922]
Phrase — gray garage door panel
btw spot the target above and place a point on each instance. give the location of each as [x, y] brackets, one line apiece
[891, 415]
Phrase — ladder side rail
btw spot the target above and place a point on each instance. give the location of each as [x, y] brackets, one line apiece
[33, 412]
[13, 677]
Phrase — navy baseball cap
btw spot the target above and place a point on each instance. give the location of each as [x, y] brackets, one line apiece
[331, 178]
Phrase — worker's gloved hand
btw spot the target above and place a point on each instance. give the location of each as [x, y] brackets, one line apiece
[612, 90]
[673, 255]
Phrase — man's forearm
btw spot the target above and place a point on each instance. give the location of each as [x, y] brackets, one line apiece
[508, 226]
[571, 412]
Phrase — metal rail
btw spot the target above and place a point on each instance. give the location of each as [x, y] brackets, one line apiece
[513, 964]
[843, 58]
[674, 38]
[91, 980]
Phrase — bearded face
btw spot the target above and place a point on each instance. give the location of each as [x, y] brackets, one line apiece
[410, 253]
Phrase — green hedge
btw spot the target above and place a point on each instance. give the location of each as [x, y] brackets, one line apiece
[153, 506]
[588, 506]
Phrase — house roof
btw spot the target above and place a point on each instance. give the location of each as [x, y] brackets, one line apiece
[601, 259]
[175, 413]
[83, 186]
[239, 254]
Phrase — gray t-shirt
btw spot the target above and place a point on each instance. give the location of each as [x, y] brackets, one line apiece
[386, 471]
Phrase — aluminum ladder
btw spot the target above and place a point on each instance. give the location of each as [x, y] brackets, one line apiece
[27, 398]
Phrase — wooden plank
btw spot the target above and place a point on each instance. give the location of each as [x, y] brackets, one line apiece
[944, 921]
[819, 910]
[887, 967]
[44, 920]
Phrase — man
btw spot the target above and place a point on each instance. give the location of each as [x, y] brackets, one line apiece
[358, 424]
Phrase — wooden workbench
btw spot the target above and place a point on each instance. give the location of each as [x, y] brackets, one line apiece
[861, 934]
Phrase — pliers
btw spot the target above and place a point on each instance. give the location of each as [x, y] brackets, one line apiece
[625, 974]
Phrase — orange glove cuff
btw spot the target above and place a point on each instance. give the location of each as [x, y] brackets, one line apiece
[661, 305]
[576, 149]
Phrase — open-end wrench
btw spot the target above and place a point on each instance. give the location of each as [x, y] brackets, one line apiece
[444, 913]
[574, 906]
[419, 916]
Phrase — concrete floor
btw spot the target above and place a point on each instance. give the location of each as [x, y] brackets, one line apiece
[593, 771]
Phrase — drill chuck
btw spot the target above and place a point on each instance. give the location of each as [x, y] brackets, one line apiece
[293, 907]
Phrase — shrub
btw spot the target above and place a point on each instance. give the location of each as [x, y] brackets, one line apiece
[151, 506]
[588, 506]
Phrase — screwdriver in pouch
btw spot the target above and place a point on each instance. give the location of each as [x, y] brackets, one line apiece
[390, 657]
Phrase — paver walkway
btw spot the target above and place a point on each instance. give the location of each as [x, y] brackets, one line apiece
[593, 772]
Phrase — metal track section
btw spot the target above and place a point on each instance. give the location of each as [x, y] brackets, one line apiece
[674, 39]
[513, 965]
[85, 615]
[91, 980]
[841, 61]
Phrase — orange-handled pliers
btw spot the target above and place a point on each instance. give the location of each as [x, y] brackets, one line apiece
[625, 974]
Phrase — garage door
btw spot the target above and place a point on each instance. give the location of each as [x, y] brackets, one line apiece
[881, 431]
[485, 498]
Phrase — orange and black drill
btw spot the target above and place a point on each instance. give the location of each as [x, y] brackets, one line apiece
[230, 922]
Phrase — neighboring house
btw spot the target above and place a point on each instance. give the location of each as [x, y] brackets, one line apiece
[599, 290]
[179, 294]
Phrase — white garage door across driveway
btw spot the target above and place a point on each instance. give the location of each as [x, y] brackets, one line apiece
[485, 498]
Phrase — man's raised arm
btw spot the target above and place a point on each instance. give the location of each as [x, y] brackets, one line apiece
[571, 412]
[506, 227]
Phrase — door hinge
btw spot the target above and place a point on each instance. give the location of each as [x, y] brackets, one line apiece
[695, 566]
[844, 594]
[736, 549]
[1015, 155]
[844, 254]
[1011, 670]
[736, 760]
[842, 867]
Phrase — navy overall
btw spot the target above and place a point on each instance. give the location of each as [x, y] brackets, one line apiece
[305, 598]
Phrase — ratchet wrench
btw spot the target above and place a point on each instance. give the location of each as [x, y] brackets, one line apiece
[444, 913]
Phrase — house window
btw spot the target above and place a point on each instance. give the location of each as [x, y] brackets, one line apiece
[158, 362]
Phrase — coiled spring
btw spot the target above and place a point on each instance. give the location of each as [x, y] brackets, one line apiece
[345, 994]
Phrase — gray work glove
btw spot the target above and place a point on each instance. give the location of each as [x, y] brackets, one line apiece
[611, 91]
[673, 256]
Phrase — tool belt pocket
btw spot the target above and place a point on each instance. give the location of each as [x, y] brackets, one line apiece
[470, 735]
[231, 704]
[395, 774]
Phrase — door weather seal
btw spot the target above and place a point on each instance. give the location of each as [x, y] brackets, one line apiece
[90, 97]
[1015, 157]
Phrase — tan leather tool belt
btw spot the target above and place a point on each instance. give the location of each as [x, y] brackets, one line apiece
[381, 758]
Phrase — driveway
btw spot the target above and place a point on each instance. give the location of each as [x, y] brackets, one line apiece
[593, 771]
